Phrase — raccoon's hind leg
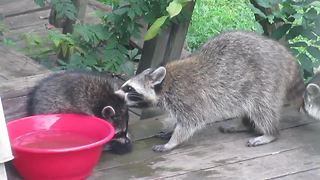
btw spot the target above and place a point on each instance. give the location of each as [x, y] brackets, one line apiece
[181, 133]
[238, 124]
[266, 122]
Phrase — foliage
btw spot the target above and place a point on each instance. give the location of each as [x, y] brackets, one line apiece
[35, 45]
[105, 46]
[297, 23]
[172, 10]
[211, 17]
[64, 8]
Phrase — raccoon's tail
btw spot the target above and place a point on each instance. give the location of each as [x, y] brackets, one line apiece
[294, 96]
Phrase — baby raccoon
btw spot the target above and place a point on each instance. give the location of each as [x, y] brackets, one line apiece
[311, 97]
[237, 74]
[83, 93]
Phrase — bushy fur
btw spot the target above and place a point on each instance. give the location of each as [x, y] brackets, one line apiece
[81, 92]
[234, 75]
[311, 97]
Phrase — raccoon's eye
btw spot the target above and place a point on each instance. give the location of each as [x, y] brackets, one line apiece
[128, 89]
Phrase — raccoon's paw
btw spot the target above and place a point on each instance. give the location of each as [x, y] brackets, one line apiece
[164, 135]
[160, 148]
[257, 141]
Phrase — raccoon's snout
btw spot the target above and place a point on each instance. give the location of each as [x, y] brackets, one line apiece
[120, 94]
[135, 97]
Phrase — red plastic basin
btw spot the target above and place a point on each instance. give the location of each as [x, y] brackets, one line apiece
[58, 146]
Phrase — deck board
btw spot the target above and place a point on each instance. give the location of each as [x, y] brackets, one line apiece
[212, 154]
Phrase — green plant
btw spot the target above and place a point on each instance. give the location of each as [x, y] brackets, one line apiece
[211, 17]
[173, 9]
[105, 46]
[296, 23]
[36, 46]
[64, 8]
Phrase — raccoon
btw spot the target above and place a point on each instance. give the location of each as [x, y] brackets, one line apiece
[311, 97]
[237, 74]
[84, 93]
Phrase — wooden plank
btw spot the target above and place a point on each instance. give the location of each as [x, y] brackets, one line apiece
[154, 50]
[301, 175]
[218, 150]
[20, 86]
[14, 64]
[177, 37]
[167, 46]
[284, 163]
[16, 7]
[25, 20]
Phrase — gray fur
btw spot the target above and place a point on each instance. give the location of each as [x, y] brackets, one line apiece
[234, 75]
[83, 93]
[311, 105]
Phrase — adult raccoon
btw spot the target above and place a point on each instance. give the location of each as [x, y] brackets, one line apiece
[311, 97]
[234, 75]
[85, 93]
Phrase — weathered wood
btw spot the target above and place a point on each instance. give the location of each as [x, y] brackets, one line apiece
[14, 64]
[20, 86]
[154, 50]
[220, 154]
[25, 20]
[13, 7]
[167, 46]
[177, 37]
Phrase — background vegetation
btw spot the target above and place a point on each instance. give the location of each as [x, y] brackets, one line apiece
[106, 47]
[213, 16]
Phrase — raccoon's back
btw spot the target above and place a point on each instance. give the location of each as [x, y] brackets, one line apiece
[76, 92]
[232, 67]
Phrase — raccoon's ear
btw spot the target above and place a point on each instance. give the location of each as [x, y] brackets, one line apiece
[313, 89]
[158, 75]
[108, 112]
[147, 71]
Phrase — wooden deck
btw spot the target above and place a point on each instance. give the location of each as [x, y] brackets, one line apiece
[213, 155]
[208, 155]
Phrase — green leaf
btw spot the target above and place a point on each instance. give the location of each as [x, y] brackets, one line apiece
[41, 3]
[308, 34]
[314, 51]
[258, 28]
[121, 11]
[131, 14]
[306, 62]
[155, 28]
[311, 13]
[299, 44]
[281, 31]
[264, 3]
[128, 68]
[174, 8]
[294, 32]
[257, 11]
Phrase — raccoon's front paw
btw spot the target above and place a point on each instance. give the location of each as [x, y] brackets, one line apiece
[160, 148]
[164, 135]
[260, 140]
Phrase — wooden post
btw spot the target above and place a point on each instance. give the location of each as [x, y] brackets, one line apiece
[81, 6]
[65, 23]
[167, 46]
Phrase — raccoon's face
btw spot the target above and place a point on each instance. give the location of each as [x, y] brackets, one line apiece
[139, 91]
[118, 116]
[311, 104]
